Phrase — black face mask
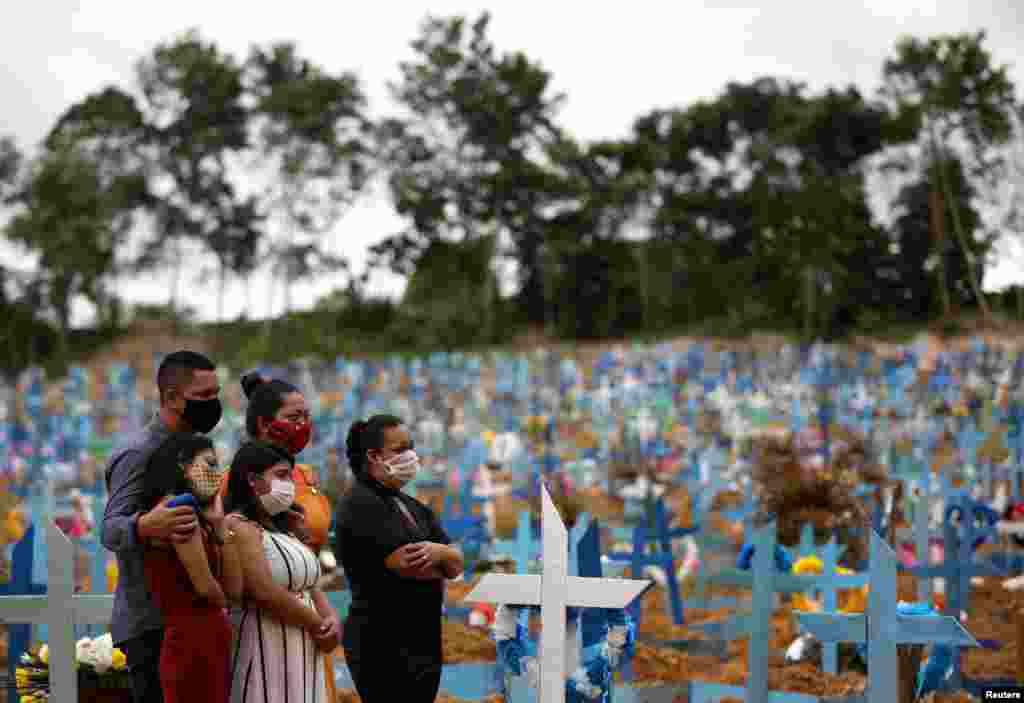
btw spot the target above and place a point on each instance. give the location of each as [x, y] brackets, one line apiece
[202, 415]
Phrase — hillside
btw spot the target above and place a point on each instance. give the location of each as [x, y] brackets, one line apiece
[136, 346]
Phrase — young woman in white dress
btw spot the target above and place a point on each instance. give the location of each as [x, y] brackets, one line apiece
[277, 633]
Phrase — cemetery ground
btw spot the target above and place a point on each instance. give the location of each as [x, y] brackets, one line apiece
[991, 615]
[991, 612]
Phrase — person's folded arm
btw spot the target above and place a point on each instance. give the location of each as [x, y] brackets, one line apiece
[119, 530]
[453, 563]
[395, 562]
[375, 528]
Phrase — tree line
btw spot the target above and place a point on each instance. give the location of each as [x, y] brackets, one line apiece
[750, 209]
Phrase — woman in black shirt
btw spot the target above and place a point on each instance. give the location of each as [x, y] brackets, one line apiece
[395, 556]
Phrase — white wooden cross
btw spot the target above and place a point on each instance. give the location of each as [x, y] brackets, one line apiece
[61, 610]
[553, 591]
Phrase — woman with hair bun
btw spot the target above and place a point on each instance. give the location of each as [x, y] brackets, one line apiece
[277, 414]
[396, 556]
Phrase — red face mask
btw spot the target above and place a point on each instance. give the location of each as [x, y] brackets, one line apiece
[293, 435]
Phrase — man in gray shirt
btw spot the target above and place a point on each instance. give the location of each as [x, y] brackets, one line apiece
[189, 402]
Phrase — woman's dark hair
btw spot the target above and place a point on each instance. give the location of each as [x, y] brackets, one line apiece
[165, 470]
[265, 399]
[364, 435]
[255, 457]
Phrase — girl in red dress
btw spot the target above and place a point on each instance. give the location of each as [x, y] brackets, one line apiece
[192, 581]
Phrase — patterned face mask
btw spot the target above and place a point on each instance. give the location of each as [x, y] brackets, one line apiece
[205, 476]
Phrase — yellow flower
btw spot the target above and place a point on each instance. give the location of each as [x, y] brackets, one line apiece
[808, 565]
[853, 600]
[14, 529]
[44, 654]
[27, 699]
[112, 575]
[118, 660]
[804, 604]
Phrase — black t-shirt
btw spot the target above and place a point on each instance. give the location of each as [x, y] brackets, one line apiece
[389, 614]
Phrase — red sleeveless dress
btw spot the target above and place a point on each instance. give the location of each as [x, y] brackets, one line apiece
[197, 635]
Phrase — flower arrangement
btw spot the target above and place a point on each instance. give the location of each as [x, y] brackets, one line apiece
[853, 600]
[98, 662]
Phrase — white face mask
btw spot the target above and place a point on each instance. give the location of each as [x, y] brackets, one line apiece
[404, 466]
[280, 498]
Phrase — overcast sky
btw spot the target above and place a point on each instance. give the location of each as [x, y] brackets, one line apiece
[614, 61]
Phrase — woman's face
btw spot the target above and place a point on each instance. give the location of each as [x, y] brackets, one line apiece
[290, 427]
[293, 409]
[261, 483]
[395, 441]
[204, 474]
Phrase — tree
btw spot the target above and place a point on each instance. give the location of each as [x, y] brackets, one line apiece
[922, 289]
[761, 192]
[10, 166]
[188, 125]
[471, 154]
[597, 283]
[74, 217]
[449, 298]
[195, 100]
[25, 336]
[313, 131]
[950, 96]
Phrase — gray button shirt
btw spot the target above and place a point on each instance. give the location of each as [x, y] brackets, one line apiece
[135, 611]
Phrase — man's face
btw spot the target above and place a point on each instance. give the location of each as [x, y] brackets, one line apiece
[203, 386]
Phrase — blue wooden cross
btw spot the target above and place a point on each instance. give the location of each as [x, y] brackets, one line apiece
[808, 546]
[20, 584]
[747, 508]
[524, 548]
[471, 532]
[662, 536]
[757, 623]
[958, 563]
[883, 628]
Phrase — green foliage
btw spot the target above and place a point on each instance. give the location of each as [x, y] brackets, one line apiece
[449, 299]
[470, 158]
[74, 217]
[751, 207]
[312, 130]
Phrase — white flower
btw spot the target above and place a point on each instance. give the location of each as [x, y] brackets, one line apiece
[532, 668]
[104, 651]
[583, 685]
[505, 620]
[85, 651]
